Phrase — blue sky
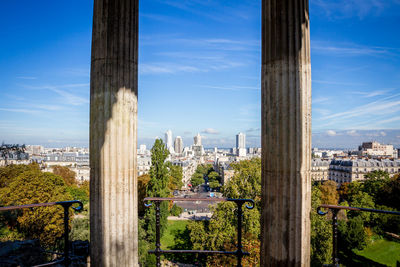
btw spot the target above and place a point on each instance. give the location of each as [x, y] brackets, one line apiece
[199, 71]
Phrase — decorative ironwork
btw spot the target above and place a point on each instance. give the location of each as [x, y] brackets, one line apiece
[239, 203]
[66, 259]
[335, 209]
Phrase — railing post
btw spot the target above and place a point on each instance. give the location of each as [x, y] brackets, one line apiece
[66, 234]
[158, 237]
[239, 252]
[335, 258]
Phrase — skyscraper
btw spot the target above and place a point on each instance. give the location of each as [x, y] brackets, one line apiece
[168, 141]
[178, 145]
[197, 140]
[241, 144]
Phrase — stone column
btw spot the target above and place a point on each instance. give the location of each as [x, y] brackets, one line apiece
[286, 133]
[113, 134]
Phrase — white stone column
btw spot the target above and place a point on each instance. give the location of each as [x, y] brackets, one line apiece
[286, 133]
[113, 134]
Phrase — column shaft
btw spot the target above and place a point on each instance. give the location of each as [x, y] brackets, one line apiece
[286, 133]
[113, 134]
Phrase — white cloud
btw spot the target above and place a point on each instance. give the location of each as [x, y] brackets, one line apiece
[331, 133]
[353, 133]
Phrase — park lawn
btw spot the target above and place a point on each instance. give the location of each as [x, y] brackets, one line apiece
[167, 240]
[382, 251]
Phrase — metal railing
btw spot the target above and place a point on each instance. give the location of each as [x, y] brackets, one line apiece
[239, 203]
[66, 259]
[335, 210]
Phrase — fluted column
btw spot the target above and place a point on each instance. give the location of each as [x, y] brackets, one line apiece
[113, 134]
[286, 133]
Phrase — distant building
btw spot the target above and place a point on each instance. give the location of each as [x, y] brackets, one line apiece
[34, 150]
[350, 170]
[241, 144]
[168, 141]
[320, 169]
[376, 149]
[197, 140]
[143, 164]
[178, 145]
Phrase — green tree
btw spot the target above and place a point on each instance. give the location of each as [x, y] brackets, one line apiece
[176, 210]
[391, 193]
[321, 232]
[34, 186]
[156, 187]
[175, 177]
[374, 183]
[197, 179]
[220, 232]
[352, 234]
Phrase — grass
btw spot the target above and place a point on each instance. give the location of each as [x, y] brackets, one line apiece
[167, 240]
[382, 251]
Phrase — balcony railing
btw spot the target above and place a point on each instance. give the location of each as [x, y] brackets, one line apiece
[66, 257]
[335, 210]
[239, 203]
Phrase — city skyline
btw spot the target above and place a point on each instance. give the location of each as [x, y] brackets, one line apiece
[199, 71]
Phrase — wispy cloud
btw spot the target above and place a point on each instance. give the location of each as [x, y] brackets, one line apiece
[212, 9]
[167, 68]
[337, 83]
[210, 131]
[321, 99]
[342, 9]
[68, 97]
[26, 77]
[18, 110]
[232, 87]
[253, 130]
[372, 115]
[349, 49]
[372, 93]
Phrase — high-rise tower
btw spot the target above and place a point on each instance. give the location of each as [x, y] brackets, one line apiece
[178, 145]
[197, 140]
[241, 144]
[168, 141]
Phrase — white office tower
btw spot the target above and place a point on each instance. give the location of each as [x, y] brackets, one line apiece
[178, 145]
[197, 140]
[168, 141]
[241, 144]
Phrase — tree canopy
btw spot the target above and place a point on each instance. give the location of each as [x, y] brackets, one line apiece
[33, 186]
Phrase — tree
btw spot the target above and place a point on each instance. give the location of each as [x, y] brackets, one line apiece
[374, 183]
[214, 179]
[10, 172]
[175, 177]
[220, 232]
[34, 186]
[197, 179]
[321, 232]
[65, 173]
[176, 210]
[156, 187]
[329, 193]
[391, 191]
[352, 234]
[143, 180]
